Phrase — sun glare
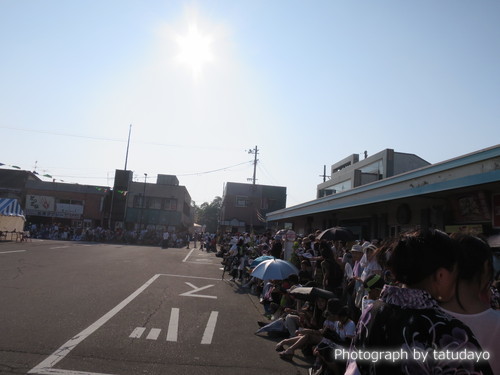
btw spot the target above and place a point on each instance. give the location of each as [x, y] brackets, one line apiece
[195, 49]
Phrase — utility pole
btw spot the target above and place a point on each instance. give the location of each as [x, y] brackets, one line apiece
[324, 174]
[128, 143]
[143, 203]
[255, 151]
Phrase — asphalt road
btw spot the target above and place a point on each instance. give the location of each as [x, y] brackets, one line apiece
[73, 308]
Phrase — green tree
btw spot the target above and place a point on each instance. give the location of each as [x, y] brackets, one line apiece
[208, 214]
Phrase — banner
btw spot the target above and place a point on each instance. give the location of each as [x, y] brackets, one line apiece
[40, 203]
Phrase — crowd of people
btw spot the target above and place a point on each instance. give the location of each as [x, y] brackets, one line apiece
[150, 237]
[424, 303]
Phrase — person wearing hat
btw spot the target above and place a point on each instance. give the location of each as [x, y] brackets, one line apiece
[373, 287]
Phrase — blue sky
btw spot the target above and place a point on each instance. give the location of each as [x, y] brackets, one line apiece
[309, 83]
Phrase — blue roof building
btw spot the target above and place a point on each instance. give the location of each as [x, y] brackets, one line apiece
[458, 194]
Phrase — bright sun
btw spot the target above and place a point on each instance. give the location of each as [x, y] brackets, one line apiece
[195, 49]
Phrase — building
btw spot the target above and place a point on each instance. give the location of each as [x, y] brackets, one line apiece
[131, 205]
[74, 205]
[352, 172]
[461, 194]
[164, 205]
[54, 202]
[244, 206]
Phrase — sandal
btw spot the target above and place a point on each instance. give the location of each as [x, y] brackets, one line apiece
[280, 348]
[286, 356]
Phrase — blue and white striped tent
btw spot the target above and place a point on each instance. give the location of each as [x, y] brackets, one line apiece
[10, 207]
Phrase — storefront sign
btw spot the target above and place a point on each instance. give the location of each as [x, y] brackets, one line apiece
[471, 207]
[65, 208]
[40, 203]
[61, 215]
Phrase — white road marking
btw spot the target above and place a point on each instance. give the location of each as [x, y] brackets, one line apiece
[46, 366]
[137, 333]
[56, 371]
[13, 251]
[187, 256]
[190, 277]
[196, 289]
[153, 334]
[173, 325]
[59, 247]
[210, 328]
[66, 348]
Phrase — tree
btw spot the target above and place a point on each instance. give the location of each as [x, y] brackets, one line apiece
[208, 214]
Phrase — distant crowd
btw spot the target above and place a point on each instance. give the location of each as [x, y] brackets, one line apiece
[148, 237]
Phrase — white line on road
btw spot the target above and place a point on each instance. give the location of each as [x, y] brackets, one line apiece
[173, 325]
[153, 334]
[191, 277]
[59, 247]
[210, 328]
[137, 333]
[187, 256]
[66, 348]
[13, 251]
[56, 371]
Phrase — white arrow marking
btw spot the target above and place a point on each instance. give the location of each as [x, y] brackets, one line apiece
[196, 289]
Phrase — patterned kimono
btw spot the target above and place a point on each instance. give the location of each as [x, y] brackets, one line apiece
[411, 320]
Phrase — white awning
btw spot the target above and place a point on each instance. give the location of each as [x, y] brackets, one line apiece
[10, 207]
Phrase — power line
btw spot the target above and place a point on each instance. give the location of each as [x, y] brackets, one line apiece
[178, 175]
[117, 140]
[214, 170]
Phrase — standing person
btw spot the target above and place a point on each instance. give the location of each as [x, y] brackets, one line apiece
[409, 318]
[471, 303]
[332, 272]
[277, 247]
[164, 242]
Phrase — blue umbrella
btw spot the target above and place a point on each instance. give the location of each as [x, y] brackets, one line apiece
[274, 269]
[260, 259]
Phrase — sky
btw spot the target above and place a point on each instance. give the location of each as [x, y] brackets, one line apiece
[200, 83]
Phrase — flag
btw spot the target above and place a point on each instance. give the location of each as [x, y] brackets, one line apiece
[260, 216]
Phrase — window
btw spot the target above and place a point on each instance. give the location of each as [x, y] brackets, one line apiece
[170, 204]
[373, 171]
[154, 203]
[264, 204]
[138, 202]
[241, 201]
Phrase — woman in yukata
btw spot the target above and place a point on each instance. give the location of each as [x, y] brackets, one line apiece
[405, 331]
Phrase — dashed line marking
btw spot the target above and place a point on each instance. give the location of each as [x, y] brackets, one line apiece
[137, 333]
[153, 334]
[210, 328]
[173, 325]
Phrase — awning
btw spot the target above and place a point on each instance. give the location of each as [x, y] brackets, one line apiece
[10, 207]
